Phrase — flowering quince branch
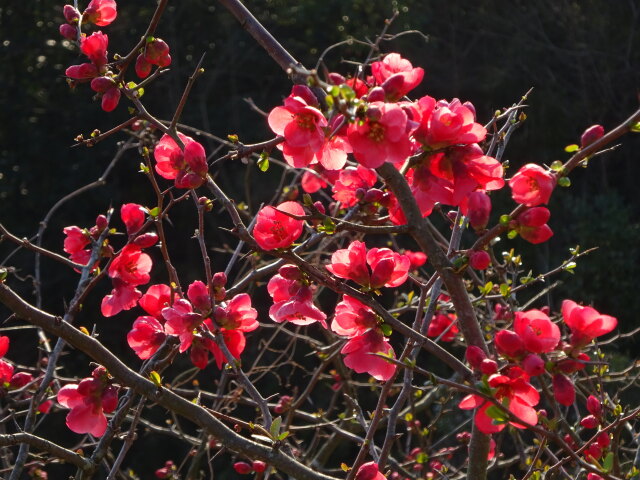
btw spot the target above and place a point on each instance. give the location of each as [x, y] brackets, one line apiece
[383, 163]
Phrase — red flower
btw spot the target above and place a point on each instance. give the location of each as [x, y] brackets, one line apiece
[382, 137]
[352, 317]
[301, 124]
[477, 208]
[532, 185]
[100, 12]
[445, 325]
[388, 268]
[397, 72]
[181, 321]
[298, 309]
[4, 345]
[360, 355]
[538, 333]
[188, 168]
[369, 471]
[89, 401]
[146, 336]
[131, 266]
[447, 123]
[417, 259]
[95, 47]
[156, 298]
[133, 216]
[237, 314]
[275, 229]
[512, 390]
[351, 180]
[6, 372]
[586, 323]
[532, 225]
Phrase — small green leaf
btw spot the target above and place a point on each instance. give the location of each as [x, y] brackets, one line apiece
[155, 378]
[143, 168]
[504, 220]
[408, 417]
[329, 101]
[386, 329]
[564, 181]
[422, 458]
[263, 162]
[233, 138]
[3, 274]
[344, 467]
[512, 234]
[154, 212]
[496, 414]
[569, 266]
[571, 148]
[557, 166]
[283, 435]
[275, 427]
[607, 463]
[505, 290]
[327, 226]
[635, 127]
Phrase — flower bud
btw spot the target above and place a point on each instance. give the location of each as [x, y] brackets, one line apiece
[71, 15]
[336, 78]
[509, 343]
[589, 422]
[290, 272]
[563, 390]
[603, 440]
[20, 379]
[373, 195]
[594, 406]
[259, 466]
[463, 437]
[102, 84]
[207, 203]
[593, 452]
[242, 468]
[101, 222]
[488, 366]
[219, 279]
[478, 209]
[320, 207]
[146, 240]
[475, 356]
[591, 134]
[533, 365]
[68, 31]
[143, 68]
[479, 260]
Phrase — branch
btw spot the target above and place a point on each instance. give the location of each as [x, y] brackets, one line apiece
[42, 444]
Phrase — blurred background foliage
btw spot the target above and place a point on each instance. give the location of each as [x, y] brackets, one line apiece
[581, 57]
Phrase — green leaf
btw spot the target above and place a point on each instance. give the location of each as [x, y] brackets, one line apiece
[504, 220]
[569, 266]
[571, 148]
[564, 181]
[327, 226]
[557, 166]
[486, 289]
[154, 212]
[505, 290]
[512, 234]
[329, 101]
[263, 162]
[275, 427]
[283, 435]
[3, 274]
[635, 127]
[422, 457]
[386, 329]
[607, 463]
[233, 138]
[155, 378]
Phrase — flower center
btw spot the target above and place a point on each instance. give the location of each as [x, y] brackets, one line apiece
[376, 132]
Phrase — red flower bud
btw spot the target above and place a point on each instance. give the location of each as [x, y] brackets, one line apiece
[533, 365]
[509, 343]
[563, 390]
[242, 468]
[376, 95]
[479, 260]
[594, 406]
[475, 356]
[320, 207]
[336, 78]
[68, 31]
[259, 466]
[488, 366]
[478, 209]
[589, 422]
[71, 15]
[603, 440]
[591, 134]
[143, 68]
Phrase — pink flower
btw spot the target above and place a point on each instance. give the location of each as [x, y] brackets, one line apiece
[382, 137]
[4, 345]
[301, 124]
[443, 324]
[188, 168]
[445, 123]
[95, 47]
[181, 321]
[352, 318]
[397, 72]
[156, 298]
[351, 180]
[89, 401]
[100, 12]
[586, 323]
[509, 344]
[237, 314]
[532, 225]
[532, 185]
[235, 342]
[512, 390]
[131, 266]
[133, 216]
[369, 470]
[123, 297]
[84, 71]
[275, 229]
[538, 333]
[298, 309]
[76, 240]
[360, 355]
[146, 336]
[6, 372]
[388, 268]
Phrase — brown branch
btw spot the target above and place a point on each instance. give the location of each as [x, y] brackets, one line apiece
[162, 396]
[45, 445]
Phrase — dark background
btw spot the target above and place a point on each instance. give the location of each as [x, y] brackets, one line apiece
[581, 57]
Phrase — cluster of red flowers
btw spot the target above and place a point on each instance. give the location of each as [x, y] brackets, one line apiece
[533, 335]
